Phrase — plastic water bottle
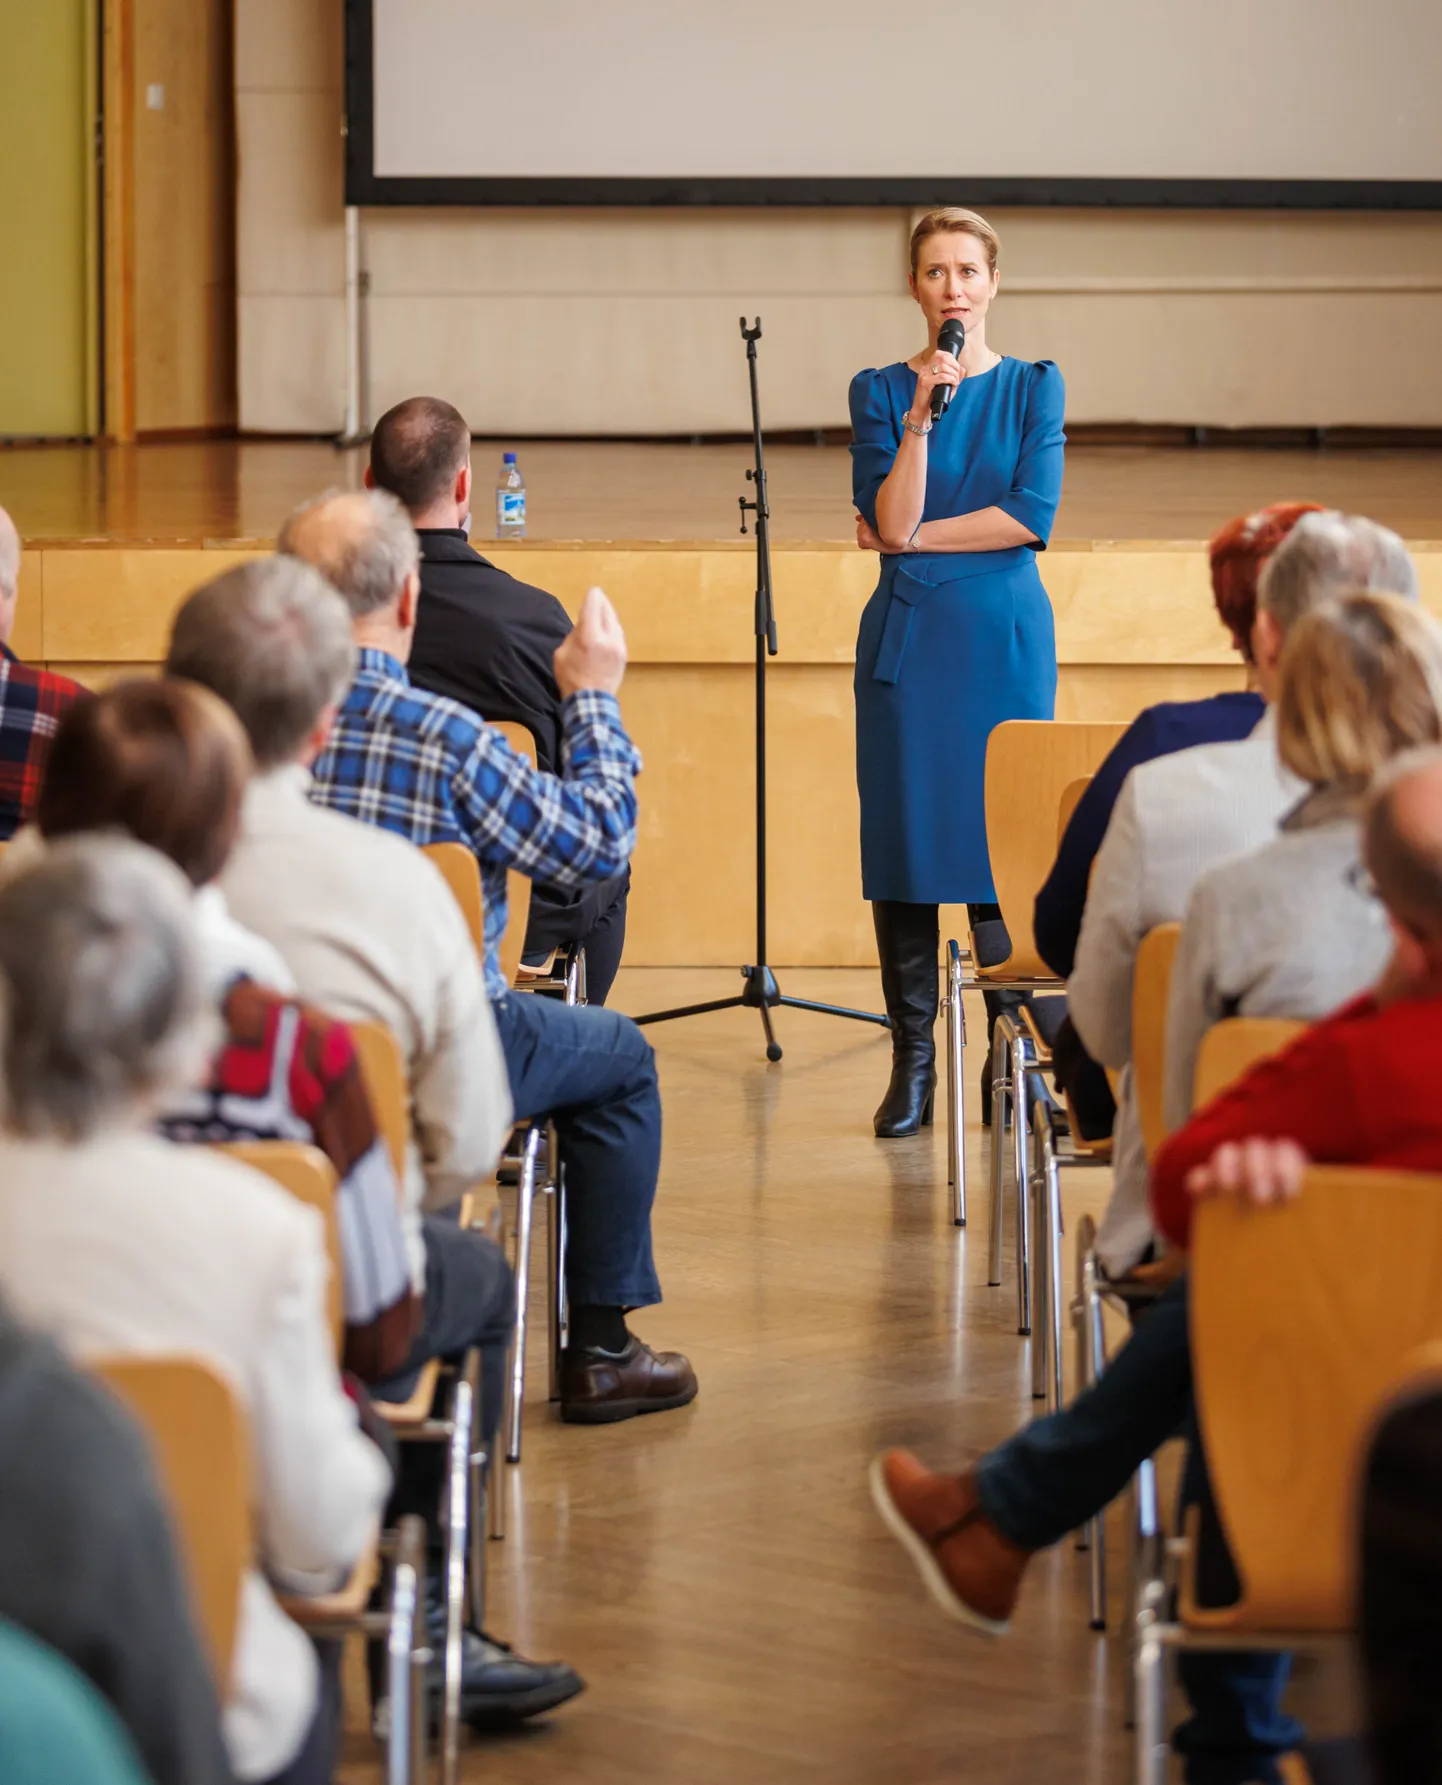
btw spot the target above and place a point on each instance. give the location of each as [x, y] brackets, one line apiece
[510, 500]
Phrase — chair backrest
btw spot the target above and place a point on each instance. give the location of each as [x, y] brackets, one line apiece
[1071, 796]
[1029, 765]
[197, 1433]
[518, 886]
[1151, 986]
[1303, 1318]
[1234, 1046]
[462, 873]
[383, 1066]
[305, 1173]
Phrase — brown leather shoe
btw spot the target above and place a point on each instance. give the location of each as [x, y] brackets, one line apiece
[600, 1387]
[971, 1571]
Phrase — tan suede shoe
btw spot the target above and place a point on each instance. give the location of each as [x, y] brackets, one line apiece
[971, 1571]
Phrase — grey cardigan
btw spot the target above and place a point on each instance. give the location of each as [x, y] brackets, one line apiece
[1287, 931]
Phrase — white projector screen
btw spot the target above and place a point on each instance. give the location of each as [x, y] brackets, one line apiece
[857, 101]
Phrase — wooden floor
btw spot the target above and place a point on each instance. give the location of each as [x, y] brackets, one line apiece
[224, 490]
[718, 1575]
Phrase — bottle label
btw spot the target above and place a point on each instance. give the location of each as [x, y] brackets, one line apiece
[511, 508]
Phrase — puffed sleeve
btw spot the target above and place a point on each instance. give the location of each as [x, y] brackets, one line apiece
[1036, 488]
[874, 440]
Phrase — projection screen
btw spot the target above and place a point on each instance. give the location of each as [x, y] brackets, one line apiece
[1227, 102]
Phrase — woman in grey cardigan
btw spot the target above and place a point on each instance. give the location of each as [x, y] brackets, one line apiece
[1292, 929]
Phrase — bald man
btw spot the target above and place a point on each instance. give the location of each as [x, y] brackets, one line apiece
[486, 639]
[972, 1536]
[32, 701]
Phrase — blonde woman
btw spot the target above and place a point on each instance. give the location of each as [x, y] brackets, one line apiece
[958, 636]
[1293, 929]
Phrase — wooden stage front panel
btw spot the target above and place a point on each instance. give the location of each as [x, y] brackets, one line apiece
[1135, 624]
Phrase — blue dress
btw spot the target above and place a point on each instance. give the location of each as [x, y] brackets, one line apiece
[951, 643]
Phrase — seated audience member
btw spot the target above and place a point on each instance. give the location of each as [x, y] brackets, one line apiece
[372, 933]
[425, 767]
[1181, 814]
[1237, 555]
[489, 641]
[971, 1536]
[168, 762]
[1292, 929]
[31, 700]
[88, 1564]
[119, 1243]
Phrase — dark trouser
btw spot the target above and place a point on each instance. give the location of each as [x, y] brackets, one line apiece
[594, 1073]
[470, 1300]
[1056, 1473]
[316, 1760]
[603, 941]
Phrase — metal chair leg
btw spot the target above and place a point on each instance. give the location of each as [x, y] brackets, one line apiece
[556, 1309]
[1050, 1192]
[420, 1657]
[1000, 1090]
[1150, 1678]
[1019, 1049]
[1096, 1345]
[458, 1509]
[1039, 1276]
[404, 1634]
[525, 1211]
[956, 1084]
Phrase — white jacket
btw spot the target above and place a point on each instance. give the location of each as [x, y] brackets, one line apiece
[128, 1245]
[372, 933]
[1174, 818]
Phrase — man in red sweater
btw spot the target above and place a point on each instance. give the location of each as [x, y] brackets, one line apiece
[972, 1535]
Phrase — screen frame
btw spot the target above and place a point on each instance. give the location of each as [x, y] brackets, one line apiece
[363, 186]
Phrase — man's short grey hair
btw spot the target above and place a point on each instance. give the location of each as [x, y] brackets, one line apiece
[1331, 554]
[273, 640]
[1406, 867]
[103, 1010]
[361, 541]
[9, 557]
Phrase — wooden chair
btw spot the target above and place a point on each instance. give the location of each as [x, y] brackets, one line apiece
[1304, 1318]
[1151, 990]
[197, 1433]
[414, 1420]
[565, 974]
[1235, 1045]
[307, 1175]
[1071, 797]
[1030, 765]
[462, 875]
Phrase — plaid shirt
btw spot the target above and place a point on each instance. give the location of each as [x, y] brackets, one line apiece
[428, 768]
[32, 703]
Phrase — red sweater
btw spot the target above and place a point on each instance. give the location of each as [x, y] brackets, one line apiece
[1363, 1087]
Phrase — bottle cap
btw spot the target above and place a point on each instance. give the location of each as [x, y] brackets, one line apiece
[508, 458]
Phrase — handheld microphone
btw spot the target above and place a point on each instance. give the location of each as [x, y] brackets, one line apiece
[951, 338]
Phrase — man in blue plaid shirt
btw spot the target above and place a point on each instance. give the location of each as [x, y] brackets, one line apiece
[427, 767]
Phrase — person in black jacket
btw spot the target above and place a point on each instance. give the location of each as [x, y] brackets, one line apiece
[88, 1563]
[487, 640]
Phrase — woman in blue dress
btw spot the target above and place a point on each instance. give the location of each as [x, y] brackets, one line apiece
[958, 636]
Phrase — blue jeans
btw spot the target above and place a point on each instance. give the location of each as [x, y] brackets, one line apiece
[1057, 1472]
[594, 1073]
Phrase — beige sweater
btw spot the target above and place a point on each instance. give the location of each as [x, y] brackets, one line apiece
[372, 933]
[129, 1245]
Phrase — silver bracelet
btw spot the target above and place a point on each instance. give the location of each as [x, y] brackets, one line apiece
[912, 428]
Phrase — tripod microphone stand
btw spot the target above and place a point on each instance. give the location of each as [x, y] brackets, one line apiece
[761, 991]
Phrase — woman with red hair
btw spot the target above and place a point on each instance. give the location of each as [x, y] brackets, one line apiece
[1237, 555]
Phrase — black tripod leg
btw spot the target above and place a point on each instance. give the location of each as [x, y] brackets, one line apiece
[773, 1046]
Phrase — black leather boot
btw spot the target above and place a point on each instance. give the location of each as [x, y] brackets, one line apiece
[906, 936]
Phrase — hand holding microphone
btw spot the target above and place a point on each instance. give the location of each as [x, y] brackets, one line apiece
[941, 374]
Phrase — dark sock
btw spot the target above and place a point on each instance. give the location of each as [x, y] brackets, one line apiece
[598, 1329]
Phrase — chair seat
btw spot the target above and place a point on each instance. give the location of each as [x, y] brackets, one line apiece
[416, 1410]
[346, 1602]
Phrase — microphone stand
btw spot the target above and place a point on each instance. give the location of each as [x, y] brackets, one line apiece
[761, 991]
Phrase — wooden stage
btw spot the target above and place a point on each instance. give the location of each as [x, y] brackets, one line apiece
[116, 537]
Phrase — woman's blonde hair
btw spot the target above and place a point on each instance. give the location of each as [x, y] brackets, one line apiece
[954, 220]
[1361, 681]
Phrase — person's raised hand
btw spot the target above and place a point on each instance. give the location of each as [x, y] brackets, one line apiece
[593, 653]
[938, 369]
[1257, 1170]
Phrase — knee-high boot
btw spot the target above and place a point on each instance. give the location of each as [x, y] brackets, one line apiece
[906, 936]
